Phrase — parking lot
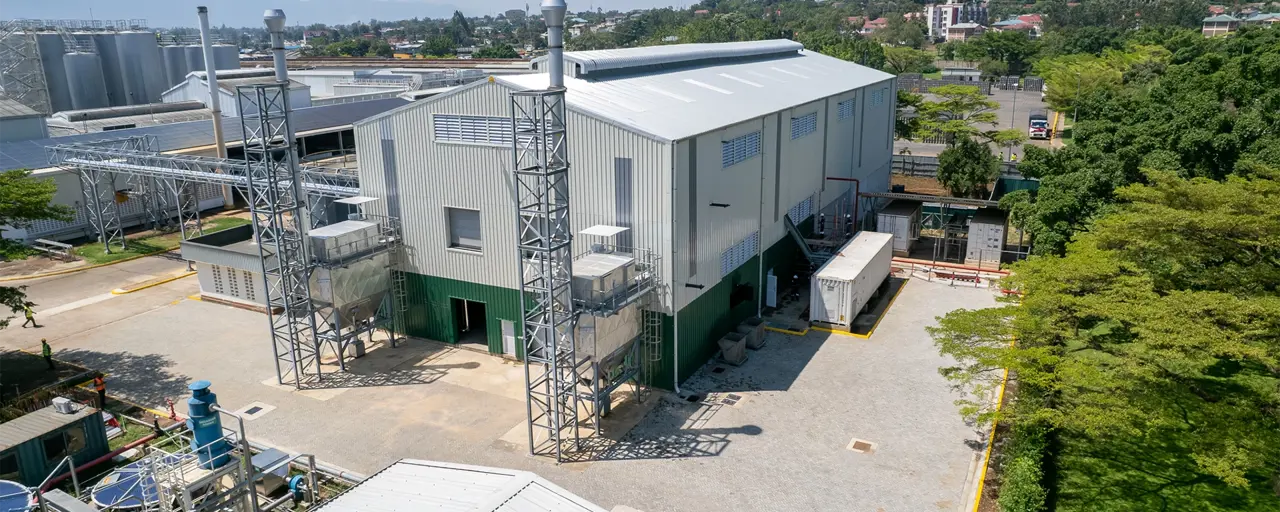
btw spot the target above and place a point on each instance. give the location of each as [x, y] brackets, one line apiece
[1014, 112]
[782, 442]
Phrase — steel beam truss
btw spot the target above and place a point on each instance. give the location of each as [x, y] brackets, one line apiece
[540, 167]
[21, 72]
[277, 203]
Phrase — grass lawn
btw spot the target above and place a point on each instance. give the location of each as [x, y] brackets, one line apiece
[150, 242]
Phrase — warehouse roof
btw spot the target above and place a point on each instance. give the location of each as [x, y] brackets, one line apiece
[38, 423]
[13, 109]
[588, 62]
[60, 127]
[677, 101]
[425, 485]
[31, 154]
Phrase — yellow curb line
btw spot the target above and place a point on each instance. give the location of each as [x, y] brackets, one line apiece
[80, 269]
[122, 291]
[991, 441]
[844, 333]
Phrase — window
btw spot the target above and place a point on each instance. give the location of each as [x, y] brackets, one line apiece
[75, 439]
[472, 129]
[248, 285]
[464, 229]
[9, 467]
[739, 149]
[217, 279]
[55, 447]
[804, 125]
[119, 127]
[844, 109]
[735, 256]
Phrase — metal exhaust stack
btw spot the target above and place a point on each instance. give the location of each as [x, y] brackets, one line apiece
[274, 18]
[553, 15]
[215, 100]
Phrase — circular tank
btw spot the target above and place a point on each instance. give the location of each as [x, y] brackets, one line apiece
[195, 57]
[84, 75]
[175, 64]
[226, 56]
[141, 69]
[55, 76]
[105, 43]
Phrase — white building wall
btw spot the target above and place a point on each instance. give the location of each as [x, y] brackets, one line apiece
[399, 149]
[195, 89]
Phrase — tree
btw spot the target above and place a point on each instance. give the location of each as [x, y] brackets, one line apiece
[24, 200]
[900, 60]
[853, 49]
[504, 51]
[967, 167]
[901, 32]
[956, 112]
[907, 119]
[438, 46]
[591, 41]
[1149, 347]
[382, 49]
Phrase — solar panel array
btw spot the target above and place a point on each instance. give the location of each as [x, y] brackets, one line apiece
[30, 154]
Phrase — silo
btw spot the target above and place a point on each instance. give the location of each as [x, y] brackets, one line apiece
[55, 75]
[84, 75]
[195, 57]
[175, 64]
[106, 46]
[226, 56]
[141, 69]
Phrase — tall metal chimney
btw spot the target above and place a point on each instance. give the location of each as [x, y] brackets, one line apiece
[553, 15]
[274, 18]
[215, 99]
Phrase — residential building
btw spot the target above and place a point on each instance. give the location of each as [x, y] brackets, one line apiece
[1219, 25]
[964, 31]
[940, 17]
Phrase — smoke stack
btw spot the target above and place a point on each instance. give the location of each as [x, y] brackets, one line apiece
[215, 101]
[274, 18]
[553, 15]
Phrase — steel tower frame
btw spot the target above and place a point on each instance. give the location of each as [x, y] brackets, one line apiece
[540, 167]
[21, 71]
[279, 209]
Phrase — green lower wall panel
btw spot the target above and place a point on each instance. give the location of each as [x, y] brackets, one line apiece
[710, 316]
[430, 313]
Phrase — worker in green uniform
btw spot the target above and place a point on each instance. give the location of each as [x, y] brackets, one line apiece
[31, 316]
[47, 352]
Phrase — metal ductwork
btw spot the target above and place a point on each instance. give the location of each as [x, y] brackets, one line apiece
[553, 15]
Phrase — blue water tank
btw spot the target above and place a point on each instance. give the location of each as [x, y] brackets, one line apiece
[206, 426]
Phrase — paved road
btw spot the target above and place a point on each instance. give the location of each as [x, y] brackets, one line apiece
[1014, 112]
[73, 303]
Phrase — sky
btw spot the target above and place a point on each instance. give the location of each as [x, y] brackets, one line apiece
[244, 13]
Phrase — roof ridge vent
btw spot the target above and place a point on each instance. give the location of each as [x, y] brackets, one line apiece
[594, 61]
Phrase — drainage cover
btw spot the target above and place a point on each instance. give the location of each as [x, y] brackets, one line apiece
[252, 410]
[718, 369]
[861, 446]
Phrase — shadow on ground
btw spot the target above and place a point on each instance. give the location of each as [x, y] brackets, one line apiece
[357, 377]
[674, 429]
[145, 378]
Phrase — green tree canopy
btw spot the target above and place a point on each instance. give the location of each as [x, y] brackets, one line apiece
[1151, 347]
[24, 200]
[898, 60]
[504, 51]
[438, 46]
[956, 112]
[967, 167]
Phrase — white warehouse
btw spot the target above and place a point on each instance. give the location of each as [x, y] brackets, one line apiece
[699, 150]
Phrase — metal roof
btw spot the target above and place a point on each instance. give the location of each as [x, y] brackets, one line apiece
[60, 127]
[587, 62]
[13, 109]
[1220, 18]
[674, 103]
[421, 485]
[230, 84]
[38, 423]
[30, 154]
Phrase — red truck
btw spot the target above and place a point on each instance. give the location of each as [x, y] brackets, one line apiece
[1038, 126]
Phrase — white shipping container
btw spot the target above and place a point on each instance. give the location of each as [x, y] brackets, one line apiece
[901, 219]
[986, 238]
[845, 284]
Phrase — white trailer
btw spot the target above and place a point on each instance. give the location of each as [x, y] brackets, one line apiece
[843, 286]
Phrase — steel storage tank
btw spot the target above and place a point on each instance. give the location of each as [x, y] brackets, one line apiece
[226, 56]
[106, 46]
[175, 64]
[195, 57]
[55, 76]
[141, 68]
[84, 75]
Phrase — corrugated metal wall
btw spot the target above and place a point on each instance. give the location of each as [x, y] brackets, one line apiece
[419, 178]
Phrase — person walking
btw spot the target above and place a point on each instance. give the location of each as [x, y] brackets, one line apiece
[47, 352]
[100, 384]
[31, 316]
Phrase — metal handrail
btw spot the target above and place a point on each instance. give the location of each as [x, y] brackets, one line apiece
[75, 481]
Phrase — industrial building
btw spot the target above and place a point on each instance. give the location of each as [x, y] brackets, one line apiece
[34, 444]
[703, 155]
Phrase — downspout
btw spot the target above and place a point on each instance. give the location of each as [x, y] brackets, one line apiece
[215, 100]
[675, 304]
[761, 286]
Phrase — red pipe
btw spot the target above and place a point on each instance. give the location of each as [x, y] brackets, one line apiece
[99, 460]
[857, 192]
